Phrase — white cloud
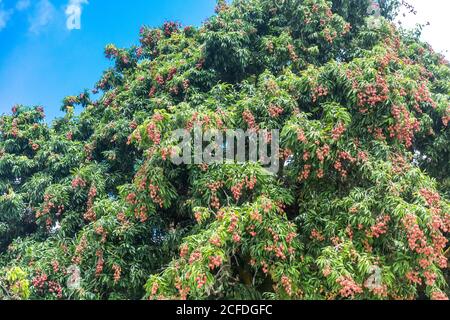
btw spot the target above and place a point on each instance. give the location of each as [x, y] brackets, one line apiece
[42, 16]
[73, 13]
[23, 5]
[4, 16]
[436, 13]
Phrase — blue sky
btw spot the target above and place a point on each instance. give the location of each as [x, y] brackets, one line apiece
[42, 60]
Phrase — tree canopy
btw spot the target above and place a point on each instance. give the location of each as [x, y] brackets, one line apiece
[91, 207]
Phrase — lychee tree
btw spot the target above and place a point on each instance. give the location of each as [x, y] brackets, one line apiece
[358, 210]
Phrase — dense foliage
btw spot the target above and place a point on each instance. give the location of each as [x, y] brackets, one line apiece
[91, 207]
